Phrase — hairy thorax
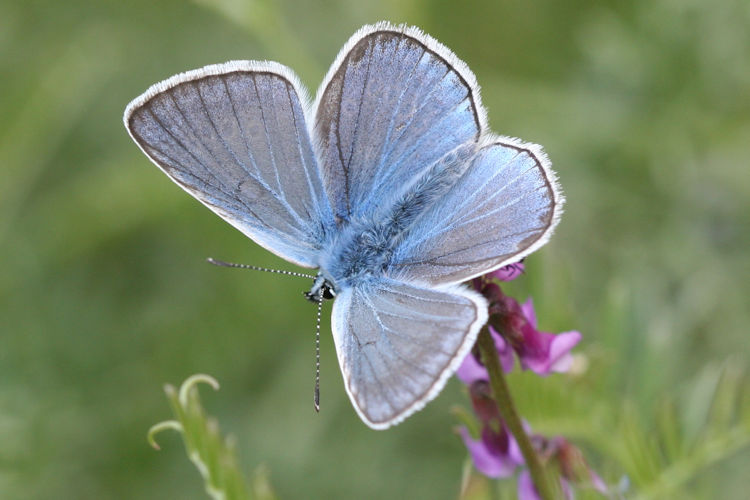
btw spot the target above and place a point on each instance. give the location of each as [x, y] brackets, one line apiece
[364, 246]
[360, 252]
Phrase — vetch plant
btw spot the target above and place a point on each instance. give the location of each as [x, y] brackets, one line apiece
[213, 456]
[505, 442]
[383, 184]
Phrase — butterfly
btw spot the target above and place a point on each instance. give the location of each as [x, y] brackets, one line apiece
[390, 184]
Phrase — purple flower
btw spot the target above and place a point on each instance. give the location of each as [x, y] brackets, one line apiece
[507, 273]
[543, 352]
[495, 454]
[540, 352]
[513, 328]
[471, 370]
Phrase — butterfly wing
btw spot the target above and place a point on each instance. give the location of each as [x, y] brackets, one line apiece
[398, 343]
[502, 208]
[234, 136]
[394, 101]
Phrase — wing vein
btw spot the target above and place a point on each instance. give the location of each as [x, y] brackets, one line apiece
[498, 192]
[384, 337]
[425, 101]
[418, 143]
[355, 135]
[377, 380]
[396, 108]
[265, 129]
[435, 260]
[240, 163]
[249, 149]
[305, 166]
[221, 187]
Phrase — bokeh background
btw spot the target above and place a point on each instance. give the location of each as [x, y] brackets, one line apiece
[644, 108]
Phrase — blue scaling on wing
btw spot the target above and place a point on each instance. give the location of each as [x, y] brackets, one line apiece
[394, 103]
[234, 136]
[398, 196]
[397, 344]
[501, 209]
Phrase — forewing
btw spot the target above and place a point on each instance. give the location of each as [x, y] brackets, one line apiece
[394, 102]
[503, 207]
[234, 136]
[398, 343]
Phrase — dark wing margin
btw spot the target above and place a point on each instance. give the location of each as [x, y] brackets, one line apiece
[504, 207]
[235, 137]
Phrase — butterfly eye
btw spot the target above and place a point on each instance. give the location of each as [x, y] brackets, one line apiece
[321, 290]
[328, 292]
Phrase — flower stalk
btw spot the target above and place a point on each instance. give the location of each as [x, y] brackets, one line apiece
[539, 475]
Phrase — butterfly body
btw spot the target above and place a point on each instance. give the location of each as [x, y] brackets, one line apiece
[389, 184]
[364, 248]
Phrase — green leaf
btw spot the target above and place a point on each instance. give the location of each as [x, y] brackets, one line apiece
[214, 457]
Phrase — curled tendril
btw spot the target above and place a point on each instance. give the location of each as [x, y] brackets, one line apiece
[191, 381]
[157, 428]
[182, 400]
[213, 455]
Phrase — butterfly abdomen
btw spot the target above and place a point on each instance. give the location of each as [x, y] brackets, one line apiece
[427, 188]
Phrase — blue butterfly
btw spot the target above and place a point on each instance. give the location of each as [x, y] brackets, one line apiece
[390, 184]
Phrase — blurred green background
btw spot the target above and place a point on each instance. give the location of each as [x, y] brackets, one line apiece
[644, 108]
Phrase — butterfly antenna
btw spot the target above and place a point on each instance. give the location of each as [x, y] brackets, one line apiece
[316, 396]
[319, 300]
[221, 263]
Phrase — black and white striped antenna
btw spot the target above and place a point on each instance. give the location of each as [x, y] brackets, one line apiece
[319, 299]
[221, 263]
[316, 395]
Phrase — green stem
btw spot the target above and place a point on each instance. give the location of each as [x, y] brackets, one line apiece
[509, 414]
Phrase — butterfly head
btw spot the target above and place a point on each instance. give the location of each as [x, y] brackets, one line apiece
[322, 289]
